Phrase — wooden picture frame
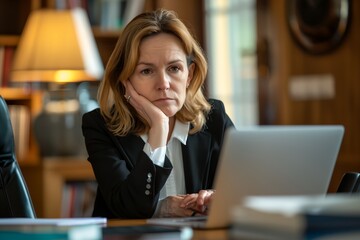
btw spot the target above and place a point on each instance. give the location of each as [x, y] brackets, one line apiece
[318, 26]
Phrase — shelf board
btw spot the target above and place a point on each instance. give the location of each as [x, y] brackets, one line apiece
[70, 168]
[105, 33]
[9, 40]
[15, 93]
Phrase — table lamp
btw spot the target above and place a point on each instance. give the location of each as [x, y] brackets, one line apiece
[57, 49]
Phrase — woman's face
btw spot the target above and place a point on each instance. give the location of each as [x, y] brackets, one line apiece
[162, 74]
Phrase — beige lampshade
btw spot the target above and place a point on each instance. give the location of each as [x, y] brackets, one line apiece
[57, 46]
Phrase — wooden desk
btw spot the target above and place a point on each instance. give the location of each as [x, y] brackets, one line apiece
[197, 234]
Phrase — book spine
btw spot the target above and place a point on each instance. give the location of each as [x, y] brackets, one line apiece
[133, 8]
[20, 121]
[78, 199]
[111, 14]
[7, 61]
[2, 52]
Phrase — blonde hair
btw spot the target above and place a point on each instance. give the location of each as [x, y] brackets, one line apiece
[120, 116]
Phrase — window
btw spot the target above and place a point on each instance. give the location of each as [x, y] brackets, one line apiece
[231, 52]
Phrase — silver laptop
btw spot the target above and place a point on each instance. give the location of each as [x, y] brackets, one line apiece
[268, 160]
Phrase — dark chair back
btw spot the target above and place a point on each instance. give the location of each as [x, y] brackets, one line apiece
[15, 199]
[350, 183]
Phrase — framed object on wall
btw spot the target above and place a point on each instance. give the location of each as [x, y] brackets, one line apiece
[318, 26]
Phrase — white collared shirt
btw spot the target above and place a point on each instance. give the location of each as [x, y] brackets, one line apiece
[175, 184]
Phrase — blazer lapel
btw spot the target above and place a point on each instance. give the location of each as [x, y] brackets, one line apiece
[195, 158]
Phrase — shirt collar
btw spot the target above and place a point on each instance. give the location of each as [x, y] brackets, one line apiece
[181, 132]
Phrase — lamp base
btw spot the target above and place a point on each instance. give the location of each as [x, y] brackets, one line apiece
[58, 127]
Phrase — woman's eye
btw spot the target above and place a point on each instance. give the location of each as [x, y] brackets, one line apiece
[146, 71]
[174, 69]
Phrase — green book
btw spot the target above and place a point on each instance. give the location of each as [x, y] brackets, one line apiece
[52, 228]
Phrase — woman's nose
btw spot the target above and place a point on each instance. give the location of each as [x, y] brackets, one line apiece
[163, 81]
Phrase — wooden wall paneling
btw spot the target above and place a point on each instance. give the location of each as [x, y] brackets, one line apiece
[272, 29]
[288, 60]
[264, 68]
[343, 64]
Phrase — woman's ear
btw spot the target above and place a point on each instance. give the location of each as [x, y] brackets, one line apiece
[190, 74]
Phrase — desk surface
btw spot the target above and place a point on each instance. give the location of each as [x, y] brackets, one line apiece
[197, 234]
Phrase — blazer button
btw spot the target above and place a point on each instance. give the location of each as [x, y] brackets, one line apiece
[148, 186]
[147, 192]
[149, 175]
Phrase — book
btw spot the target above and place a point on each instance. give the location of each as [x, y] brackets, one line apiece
[7, 63]
[297, 217]
[78, 199]
[147, 232]
[2, 53]
[52, 228]
[132, 9]
[20, 122]
[111, 14]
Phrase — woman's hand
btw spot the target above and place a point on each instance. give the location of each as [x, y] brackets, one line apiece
[198, 202]
[170, 207]
[185, 205]
[158, 121]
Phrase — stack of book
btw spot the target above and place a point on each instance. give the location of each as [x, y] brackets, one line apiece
[335, 216]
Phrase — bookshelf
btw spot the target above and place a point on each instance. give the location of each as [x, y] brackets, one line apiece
[48, 182]
[23, 104]
[57, 173]
[33, 102]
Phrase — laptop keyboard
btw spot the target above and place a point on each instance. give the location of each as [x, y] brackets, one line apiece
[190, 219]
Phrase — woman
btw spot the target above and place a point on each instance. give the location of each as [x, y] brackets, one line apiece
[154, 143]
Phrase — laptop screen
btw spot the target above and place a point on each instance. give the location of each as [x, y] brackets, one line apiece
[273, 160]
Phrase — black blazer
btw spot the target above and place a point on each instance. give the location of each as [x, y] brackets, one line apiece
[129, 183]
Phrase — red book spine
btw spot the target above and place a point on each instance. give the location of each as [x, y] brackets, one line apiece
[7, 63]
